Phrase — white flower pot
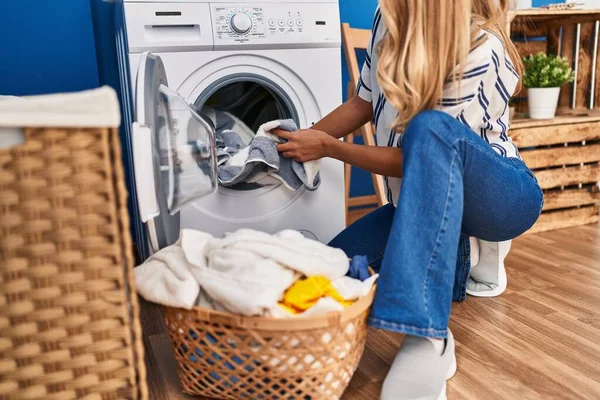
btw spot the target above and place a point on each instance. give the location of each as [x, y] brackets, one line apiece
[543, 102]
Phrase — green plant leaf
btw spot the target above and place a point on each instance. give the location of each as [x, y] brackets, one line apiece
[546, 71]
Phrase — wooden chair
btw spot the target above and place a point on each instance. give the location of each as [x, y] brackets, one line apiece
[358, 39]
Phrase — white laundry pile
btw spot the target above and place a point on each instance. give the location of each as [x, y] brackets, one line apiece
[248, 273]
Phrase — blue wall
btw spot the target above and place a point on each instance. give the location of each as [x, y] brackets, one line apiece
[358, 13]
[539, 3]
[46, 47]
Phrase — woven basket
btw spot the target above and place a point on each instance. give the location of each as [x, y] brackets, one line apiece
[232, 357]
[69, 326]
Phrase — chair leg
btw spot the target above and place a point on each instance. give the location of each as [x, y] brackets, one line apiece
[379, 190]
[347, 180]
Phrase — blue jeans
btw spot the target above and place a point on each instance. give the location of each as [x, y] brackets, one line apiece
[453, 184]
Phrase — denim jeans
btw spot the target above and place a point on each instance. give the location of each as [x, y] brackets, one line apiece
[453, 185]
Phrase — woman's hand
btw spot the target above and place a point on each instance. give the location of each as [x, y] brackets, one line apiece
[311, 144]
[305, 145]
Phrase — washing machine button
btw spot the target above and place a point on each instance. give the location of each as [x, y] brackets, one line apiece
[272, 23]
[290, 22]
[300, 22]
[281, 22]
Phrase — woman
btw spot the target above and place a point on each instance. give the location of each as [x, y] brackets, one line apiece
[436, 82]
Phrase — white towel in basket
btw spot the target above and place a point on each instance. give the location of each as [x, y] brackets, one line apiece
[289, 248]
[90, 109]
[166, 279]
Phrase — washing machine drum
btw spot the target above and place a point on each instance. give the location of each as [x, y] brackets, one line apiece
[242, 104]
[253, 103]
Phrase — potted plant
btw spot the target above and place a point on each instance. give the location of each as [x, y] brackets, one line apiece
[544, 75]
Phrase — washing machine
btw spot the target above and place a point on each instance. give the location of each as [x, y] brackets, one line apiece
[257, 60]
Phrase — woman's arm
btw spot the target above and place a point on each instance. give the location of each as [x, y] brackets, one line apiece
[312, 144]
[386, 161]
[346, 119]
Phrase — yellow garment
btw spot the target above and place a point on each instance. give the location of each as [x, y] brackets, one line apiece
[305, 293]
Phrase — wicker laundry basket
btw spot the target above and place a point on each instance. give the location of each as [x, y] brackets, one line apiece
[233, 357]
[69, 325]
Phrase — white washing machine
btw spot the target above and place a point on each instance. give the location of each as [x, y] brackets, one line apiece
[258, 60]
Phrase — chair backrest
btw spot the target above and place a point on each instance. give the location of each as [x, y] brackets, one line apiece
[356, 39]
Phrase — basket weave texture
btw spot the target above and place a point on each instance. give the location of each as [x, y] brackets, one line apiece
[68, 311]
[232, 357]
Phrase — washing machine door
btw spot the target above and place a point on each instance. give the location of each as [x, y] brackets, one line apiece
[174, 153]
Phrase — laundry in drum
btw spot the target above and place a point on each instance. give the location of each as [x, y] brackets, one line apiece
[247, 157]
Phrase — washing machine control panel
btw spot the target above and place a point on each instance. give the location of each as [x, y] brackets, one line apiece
[285, 25]
[239, 24]
[185, 25]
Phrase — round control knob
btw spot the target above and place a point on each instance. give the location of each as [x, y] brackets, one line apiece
[241, 22]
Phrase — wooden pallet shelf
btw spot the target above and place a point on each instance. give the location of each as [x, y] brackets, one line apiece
[564, 152]
[563, 119]
[537, 15]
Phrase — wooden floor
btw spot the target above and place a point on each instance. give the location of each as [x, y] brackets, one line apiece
[539, 340]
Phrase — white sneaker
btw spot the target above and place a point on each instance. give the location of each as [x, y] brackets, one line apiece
[488, 276]
[419, 372]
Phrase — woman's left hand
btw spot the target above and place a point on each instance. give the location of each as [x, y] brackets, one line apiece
[304, 145]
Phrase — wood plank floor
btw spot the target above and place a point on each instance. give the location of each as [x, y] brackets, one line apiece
[539, 340]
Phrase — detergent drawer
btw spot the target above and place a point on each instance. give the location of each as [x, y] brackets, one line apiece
[168, 27]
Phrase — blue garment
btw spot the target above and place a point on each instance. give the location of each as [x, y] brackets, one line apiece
[453, 184]
[359, 268]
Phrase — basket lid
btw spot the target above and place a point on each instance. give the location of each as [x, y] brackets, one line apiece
[97, 108]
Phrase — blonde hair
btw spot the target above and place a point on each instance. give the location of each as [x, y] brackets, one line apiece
[425, 42]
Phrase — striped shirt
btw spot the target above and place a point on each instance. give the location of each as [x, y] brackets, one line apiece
[479, 100]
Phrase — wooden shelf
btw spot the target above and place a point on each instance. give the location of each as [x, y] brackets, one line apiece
[565, 119]
[564, 152]
[539, 15]
[534, 12]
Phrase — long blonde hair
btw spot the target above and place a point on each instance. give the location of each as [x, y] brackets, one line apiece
[424, 43]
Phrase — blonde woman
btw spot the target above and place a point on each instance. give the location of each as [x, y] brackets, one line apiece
[436, 83]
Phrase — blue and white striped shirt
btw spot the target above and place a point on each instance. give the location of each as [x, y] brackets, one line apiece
[479, 100]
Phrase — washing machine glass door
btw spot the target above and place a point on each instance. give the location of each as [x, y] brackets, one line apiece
[174, 153]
